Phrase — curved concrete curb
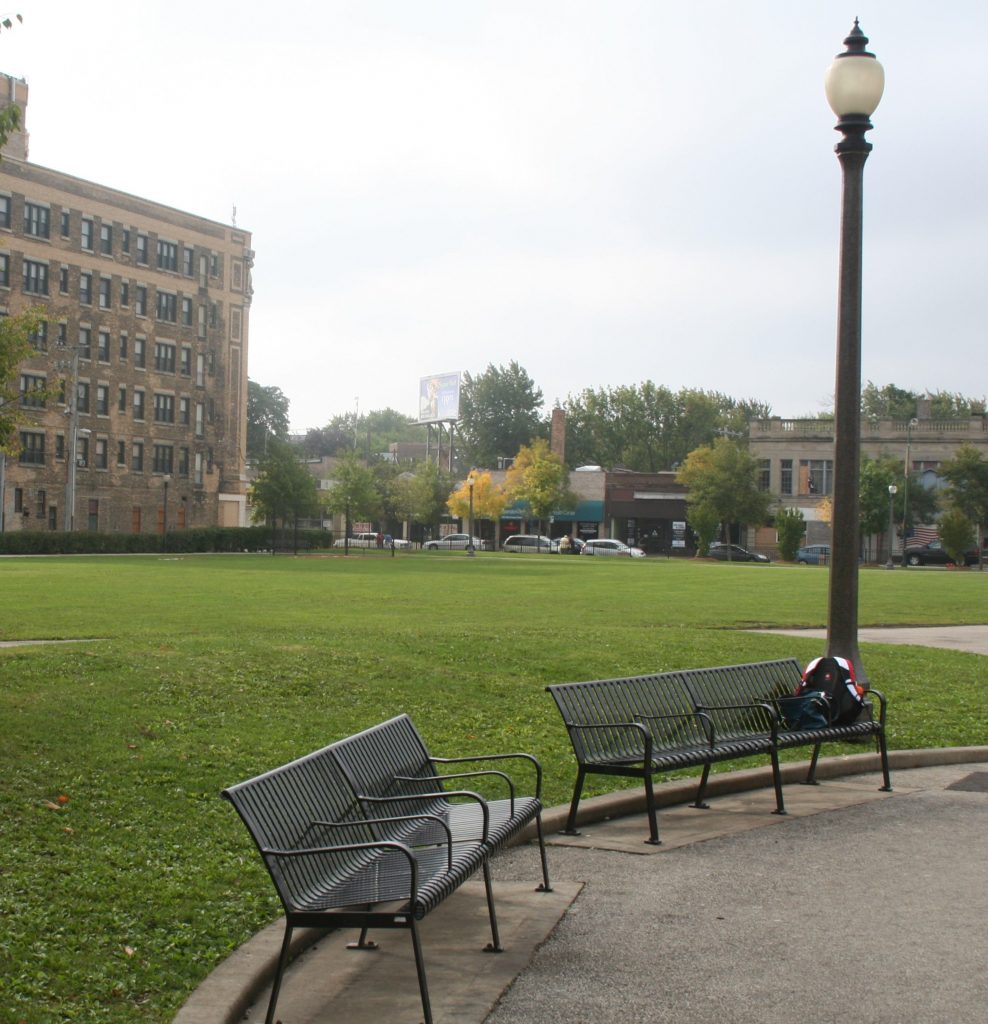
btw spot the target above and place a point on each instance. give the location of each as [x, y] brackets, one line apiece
[227, 993]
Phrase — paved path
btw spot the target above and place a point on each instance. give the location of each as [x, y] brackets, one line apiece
[973, 639]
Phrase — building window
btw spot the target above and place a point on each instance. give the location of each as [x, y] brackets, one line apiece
[139, 349]
[36, 220]
[162, 458]
[93, 518]
[185, 366]
[87, 234]
[106, 239]
[238, 276]
[4, 270]
[32, 391]
[123, 346]
[138, 404]
[122, 398]
[52, 517]
[785, 476]
[183, 462]
[32, 448]
[167, 307]
[4, 211]
[85, 342]
[63, 280]
[815, 476]
[125, 240]
[82, 396]
[142, 248]
[200, 419]
[65, 224]
[35, 277]
[121, 453]
[200, 370]
[103, 346]
[124, 293]
[764, 474]
[100, 460]
[187, 312]
[197, 479]
[82, 452]
[141, 300]
[39, 337]
[86, 288]
[42, 499]
[214, 265]
[102, 400]
[183, 411]
[63, 335]
[137, 456]
[164, 357]
[60, 447]
[235, 324]
[105, 299]
[164, 408]
[201, 331]
[167, 255]
[188, 262]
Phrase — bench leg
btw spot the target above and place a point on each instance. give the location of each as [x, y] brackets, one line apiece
[699, 801]
[545, 886]
[495, 945]
[653, 816]
[420, 970]
[571, 829]
[362, 942]
[810, 779]
[884, 754]
[286, 943]
[780, 806]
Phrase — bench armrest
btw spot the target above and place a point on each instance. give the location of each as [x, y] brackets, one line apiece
[484, 809]
[399, 818]
[462, 775]
[773, 721]
[882, 703]
[498, 757]
[700, 716]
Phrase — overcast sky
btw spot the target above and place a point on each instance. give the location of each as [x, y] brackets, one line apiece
[606, 192]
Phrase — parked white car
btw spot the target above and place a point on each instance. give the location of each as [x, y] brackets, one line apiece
[611, 547]
[368, 540]
[456, 542]
[531, 543]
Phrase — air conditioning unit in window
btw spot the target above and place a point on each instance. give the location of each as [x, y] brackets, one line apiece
[81, 463]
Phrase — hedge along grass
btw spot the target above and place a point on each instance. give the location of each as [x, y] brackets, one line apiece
[124, 879]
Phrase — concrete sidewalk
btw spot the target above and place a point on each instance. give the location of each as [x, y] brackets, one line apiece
[857, 905]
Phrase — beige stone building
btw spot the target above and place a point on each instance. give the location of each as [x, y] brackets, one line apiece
[145, 346]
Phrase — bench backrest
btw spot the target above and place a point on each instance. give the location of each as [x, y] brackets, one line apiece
[612, 703]
[758, 683]
[281, 809]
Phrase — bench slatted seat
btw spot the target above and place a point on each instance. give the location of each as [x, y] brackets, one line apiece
[391, 770]
[638, 726]
[335, 866]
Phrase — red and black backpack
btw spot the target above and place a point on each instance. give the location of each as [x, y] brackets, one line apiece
[833, 680]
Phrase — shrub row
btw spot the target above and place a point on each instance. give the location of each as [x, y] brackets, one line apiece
[212, 538]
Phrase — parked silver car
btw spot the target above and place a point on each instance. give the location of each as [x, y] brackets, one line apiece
[611, 547]
[456, 542]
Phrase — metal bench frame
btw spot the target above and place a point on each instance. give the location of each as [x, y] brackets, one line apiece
[640, 726]
[340, 858]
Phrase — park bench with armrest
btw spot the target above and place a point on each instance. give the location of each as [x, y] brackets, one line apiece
[641, 726]
[341, 859]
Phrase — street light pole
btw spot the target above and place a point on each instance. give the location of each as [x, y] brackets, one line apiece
[470, 483]
[68, 518]
[893, 490]
[905, 484]
[854, 84]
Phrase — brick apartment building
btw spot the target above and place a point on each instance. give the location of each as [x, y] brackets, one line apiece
[145, 345]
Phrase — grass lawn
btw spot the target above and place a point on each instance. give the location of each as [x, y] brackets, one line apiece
[124, 879]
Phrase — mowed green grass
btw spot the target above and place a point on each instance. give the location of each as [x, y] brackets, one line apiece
[124, 879]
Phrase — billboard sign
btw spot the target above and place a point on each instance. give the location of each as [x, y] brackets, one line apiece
[439, 398]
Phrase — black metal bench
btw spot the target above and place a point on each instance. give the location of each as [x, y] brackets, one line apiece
[340, 859]
[640, 726]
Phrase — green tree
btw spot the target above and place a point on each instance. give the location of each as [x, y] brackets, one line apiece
[723, 479]
[703, 520]
[790, 526]
[284, 489]
[420, 495]
[15, 347]
[967, 479]
[956, 534]
[539, 478]
[267, 418]
[887, 403]
[354, 492]
[499, 413]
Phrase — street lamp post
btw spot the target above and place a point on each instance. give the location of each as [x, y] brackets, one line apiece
[905, 483]
[854, 84]
[893, 490]
[470, 483]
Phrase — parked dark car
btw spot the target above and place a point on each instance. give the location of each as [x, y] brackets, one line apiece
[737, 553]
[935, 553]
